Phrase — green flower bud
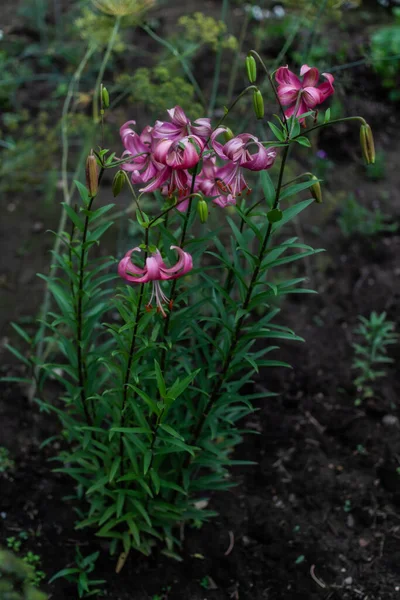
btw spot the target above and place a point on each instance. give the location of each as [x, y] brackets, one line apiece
[105, 97]
[367, 144]
[251, 68]
[118, 183]
[228, 134]
[315, 189]
[202, 210]
[258, 104]
[92, 176]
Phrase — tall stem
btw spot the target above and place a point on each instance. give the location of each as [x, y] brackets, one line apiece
[106, 58]
[217, 69]
[235, 338]
[67, 193]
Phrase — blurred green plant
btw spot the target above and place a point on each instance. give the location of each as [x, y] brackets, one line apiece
[205, 30]
[79, 574]
[6, 464]
[16, 579]
[156, 88]
[375, 334]
[385, 46]
[377, 171]
[356, 218]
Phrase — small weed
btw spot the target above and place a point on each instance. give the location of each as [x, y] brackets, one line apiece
[34, 561]
[347, 506]
[6, 464]
[356, 218]
[375, 334]
[79, 574]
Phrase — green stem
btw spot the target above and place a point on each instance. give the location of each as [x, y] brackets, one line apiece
[234, 71]
[343, 120]
[220, 380]
[79, 317]
[67, 193]
[106, 58]
[272, 84]
[218, 59]
[183, 62]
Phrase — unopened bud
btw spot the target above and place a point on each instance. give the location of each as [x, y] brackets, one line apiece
[315, 189]
[251, 68]
[367, 144]
[258, 104]
[228, 134]
[105, 97]
[118, 183]
[202, 209]
[92, 183]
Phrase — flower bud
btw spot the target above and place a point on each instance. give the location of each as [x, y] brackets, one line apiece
[202, 210]
[258, 104]
[92, 182]
[367, 144]
[251, 68]
[228, 135]
[315, 190]
[105, 97]
[118, 183]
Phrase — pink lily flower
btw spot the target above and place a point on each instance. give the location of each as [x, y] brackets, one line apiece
[155, 270]
[212, 185]
[302, 96]
[143, 167]
[183, 153]
[238, 153]
[180, 126]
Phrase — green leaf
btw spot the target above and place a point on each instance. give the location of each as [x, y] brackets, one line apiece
[134, 530]
[327, 117]
[274, 215]
[160, 380]
[63, 573]
[291, 212]
[268, 188]
[277, 132]
[22, 333]
[77, 221]
[147, 461]
[171, 431]
[83, 192]
[303, 141]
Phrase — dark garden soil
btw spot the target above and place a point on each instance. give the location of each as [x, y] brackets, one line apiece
[318, 518]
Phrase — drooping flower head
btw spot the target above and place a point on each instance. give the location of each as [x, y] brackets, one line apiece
[140, 148]
[155, 270]
[305, 95]
[241, 152]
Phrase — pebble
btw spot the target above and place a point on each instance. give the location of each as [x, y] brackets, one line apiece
[390, 421]
[348, 581]
[37, 227]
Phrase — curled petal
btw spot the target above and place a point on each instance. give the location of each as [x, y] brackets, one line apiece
[129, 271]
[285, 77]
[262, 159]
[311, 76]
[161, 177]
[202, 128]
[185, 153]
[178, 116]
[126, 129]
[217, 145]
[154, 269]
[301, 110]
[161, 150]
[167, 130]
[326, 89]
[181, 267]
[311, 96]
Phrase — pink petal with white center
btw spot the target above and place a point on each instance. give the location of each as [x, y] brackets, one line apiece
[202, 128]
